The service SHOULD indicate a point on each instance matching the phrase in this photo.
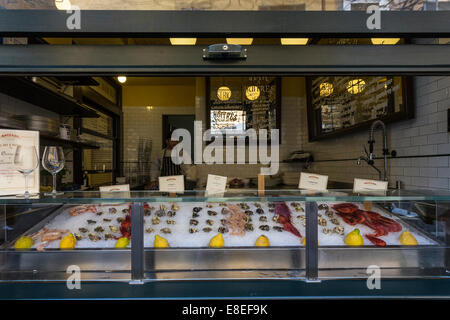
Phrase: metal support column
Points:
(312, 247)
(137, 243)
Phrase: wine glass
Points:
(26, 160)
(53, 162)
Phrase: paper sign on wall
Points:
(215, 184)
(171, 184)
(364, 185)
(312, 181)
(11, 181)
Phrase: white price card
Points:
(365, 185)
(12, 181)
(215, 184)
(171, 184)
(120, 190)
(312, 181)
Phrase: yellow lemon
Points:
(160, 242)
(354, 238)
(262, 241)
(217, 241)
(23, 243)
(122, 242)
(67, 242)
(407, 239)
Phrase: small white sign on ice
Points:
(312, 181)
(215, 184)
(171, 184)
(120, 190)
(371, 186)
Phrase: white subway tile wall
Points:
(426, 134)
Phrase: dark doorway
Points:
(175, 121)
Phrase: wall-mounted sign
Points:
(227, 121)
(252, 93)
(224, 93)
(257, 97)
(12, 181)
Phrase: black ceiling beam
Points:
(183, 60)
(128, 23)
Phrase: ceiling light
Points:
(183, 41)
(241, 41)
(122, 79)
(385, 40)
(294, 41)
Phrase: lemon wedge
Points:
(160, 242)
(217, 241)
(122, 242)
(407, 239)
(23, 242)
(354, 238)
(262, 241)
(67, 242)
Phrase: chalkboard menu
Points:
(338, 105)
(236, 104)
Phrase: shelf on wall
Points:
(71, 143)
(28, 91)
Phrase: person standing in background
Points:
(163, 166)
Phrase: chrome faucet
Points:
(369, 158)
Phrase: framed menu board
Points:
(235, 104)
(344, 104)
(11, 181)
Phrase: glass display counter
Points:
(145, 236)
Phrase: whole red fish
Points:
(284, 217)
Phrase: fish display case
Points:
(141, 236)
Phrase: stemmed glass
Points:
(53, 162)
(26, 160)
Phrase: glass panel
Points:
(231, 238)
(397, 238)
(51, 241)
(404, 233)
